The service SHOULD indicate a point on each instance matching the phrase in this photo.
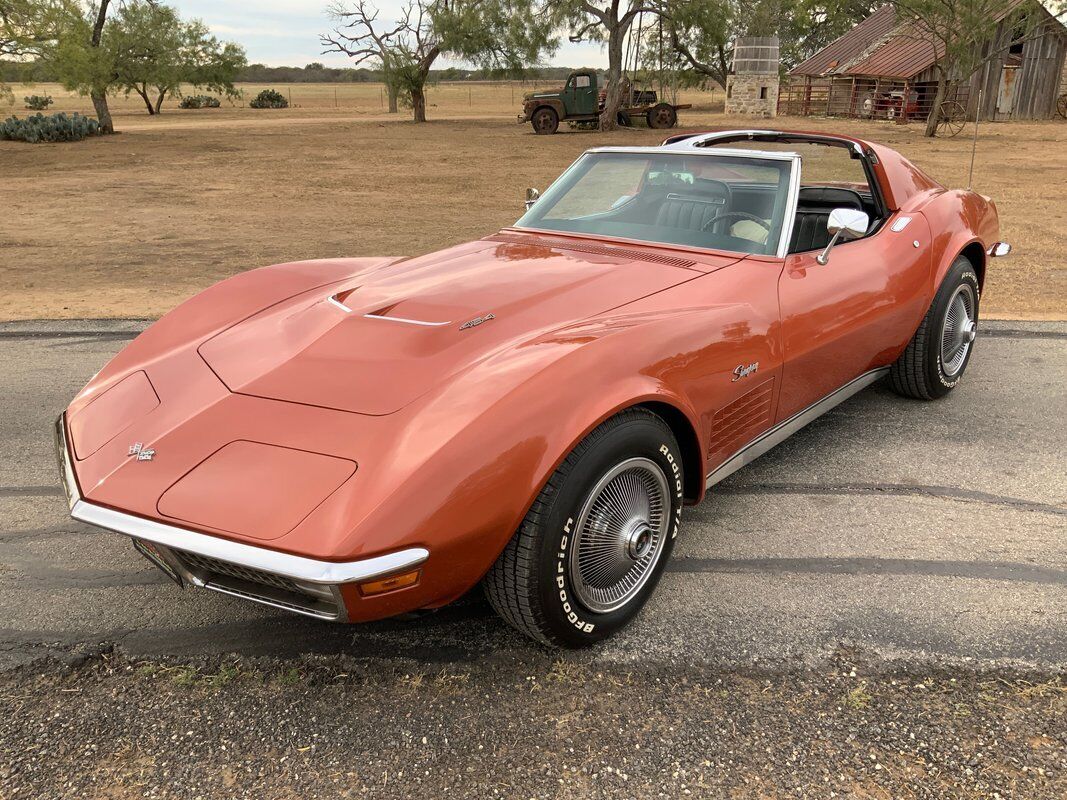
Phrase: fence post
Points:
(290, 90)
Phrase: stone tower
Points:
(752, 85)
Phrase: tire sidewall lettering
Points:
(950, 383)
(575, 615)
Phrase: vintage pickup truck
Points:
(580, 100)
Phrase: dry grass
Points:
(132, 224)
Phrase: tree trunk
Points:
(935, 109)
(609, 117)
(159, 100)
(390, 89)
(142, 90)
(418, 104)
(99, 96)
(103, 113)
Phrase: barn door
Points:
(1006, 93)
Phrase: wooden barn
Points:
(879, 70)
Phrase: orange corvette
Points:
(356, 438)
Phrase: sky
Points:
(286, 32)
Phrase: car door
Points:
(581, 95)
(852, 314)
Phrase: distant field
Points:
(132, 224)
(452, 99)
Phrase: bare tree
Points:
(501, 35)
(359, 37)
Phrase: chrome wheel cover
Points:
(958, 330)
(619, 535)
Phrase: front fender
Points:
(465, 464)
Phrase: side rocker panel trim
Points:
(786, 428)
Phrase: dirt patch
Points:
(132, 224)
(544, 728)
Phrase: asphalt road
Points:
(925, 532)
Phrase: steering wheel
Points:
(740, 215)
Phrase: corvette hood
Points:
(378, 342)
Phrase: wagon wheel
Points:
(1061, 105)
(951, 117)
(662, 116)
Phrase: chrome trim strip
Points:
(66, 472)
(792, 201)
(408, 321)
(263, 600)
(783, 430)
(333, 299)
(295, 567)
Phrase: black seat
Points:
(813, 210)
(687, 212)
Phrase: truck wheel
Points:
(935, 359)
(545, 121)
(662, 116)
(596, 540)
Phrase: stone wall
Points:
(752, 94)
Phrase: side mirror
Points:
(844, 223)
(531, 197)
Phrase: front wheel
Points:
(545, 121)
(937, 356)
(596, 540)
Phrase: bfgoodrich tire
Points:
(596, 540)
(934, 361)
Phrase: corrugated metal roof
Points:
(842, 51)
(898, 57)
(878, 47)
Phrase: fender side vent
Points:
(597, 249)
(737, 422)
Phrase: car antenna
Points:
(974, 142)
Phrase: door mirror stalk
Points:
(844, 224)
(531, 197)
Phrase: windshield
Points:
(710, 201)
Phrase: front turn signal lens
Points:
(390, 584)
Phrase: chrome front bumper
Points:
(281, 580)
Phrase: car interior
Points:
(723, 203)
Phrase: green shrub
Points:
(54, 128)
(199, 101)
(269, 98)
(36, 102)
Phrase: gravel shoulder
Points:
(111, 727)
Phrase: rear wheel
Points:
(593, 545)
(937, 356)
(662, 116)
(545, 121)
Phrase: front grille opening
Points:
(321, 602)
